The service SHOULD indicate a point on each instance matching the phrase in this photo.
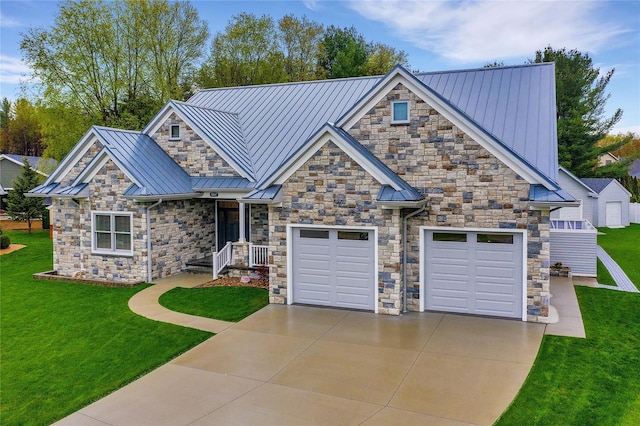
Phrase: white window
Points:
(400, 112)
(111, 233)
(175, 132)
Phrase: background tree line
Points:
(116, 63)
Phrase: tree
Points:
(24, 208)
(114, 59)
(246, 53)
(580, 100)
(62, 127)
(343, 53)
(299, 41)
(5, 113)
(381, 58)
(22, 134)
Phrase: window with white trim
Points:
(400, 112)
(174, 131)
(111, 233)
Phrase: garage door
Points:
(613, 210)
(334, 267)
(474, 272)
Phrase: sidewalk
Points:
(145, 303)
(618, 275)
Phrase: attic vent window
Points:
(175, 132)
(400, 112)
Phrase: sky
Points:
(437, 35)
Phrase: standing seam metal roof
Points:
(516, 105)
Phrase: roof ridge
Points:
(114, 129)
(202, 107)
(484, 69)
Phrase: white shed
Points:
(612, 206)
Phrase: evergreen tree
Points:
(580, 102)
(24, 208)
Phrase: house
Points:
(11, 167)
(611, 208)
(607, 158)
(634, 169)
(427, 191)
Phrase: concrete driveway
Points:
(298, 365)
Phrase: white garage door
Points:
(474, 272)
(613, 211)
(334, 267)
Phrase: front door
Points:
(228, 221)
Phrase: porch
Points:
(238, 256)
(573, 243)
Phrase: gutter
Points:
(149, 257)
(404, 255)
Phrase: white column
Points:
(242, 238)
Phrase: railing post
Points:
(215, 265)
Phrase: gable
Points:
(211, 142)
(519, 153)
(574, 186)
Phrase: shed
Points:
(612, 206)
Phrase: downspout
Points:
(404, 255)
(149, 257)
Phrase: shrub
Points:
(5, 242)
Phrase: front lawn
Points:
(222, 303)
(623, 244)
(592, 381)
(66, 345)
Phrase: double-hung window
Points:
(111, 233)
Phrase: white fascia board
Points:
(162, 116)
(98, 163)
(448, 112)
(70, 160)
(328, 135)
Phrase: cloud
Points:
(472, 31)
(311, 4)
(13, 70)
(8, 22)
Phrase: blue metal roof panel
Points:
(145, 161)
(387, 193)
(216, 183)
(72, 190)
(269, 193)
(44, 189)
(541, 194)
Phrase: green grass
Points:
(622, 245)
(64, 345)
(592, 381)
(222, 303)
(604, 277)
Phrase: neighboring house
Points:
(11, 167)
(607, 158)
(634, 169)
(426, 192)
(611, 208)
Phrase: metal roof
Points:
(48, 163)
(597, 184)
(266, 194)
(516, 105)
(278, 119)
(220, 183)
(388, 194)
(154, 172)
(541, 194)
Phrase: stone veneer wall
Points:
(466, 187)
(191, 152)
(181, 231)
(259, 224)
(72, 232)
(332, 189)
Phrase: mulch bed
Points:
(235, 282)
(11, 248)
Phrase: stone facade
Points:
(181, 231)
(73, 256)
(191, 152)
(466, 186)
(259, 224)
(332, 189)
